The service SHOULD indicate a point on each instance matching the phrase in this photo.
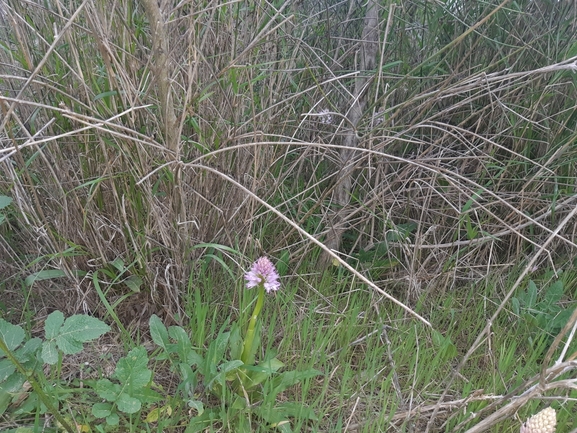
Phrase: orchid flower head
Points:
(263, 272)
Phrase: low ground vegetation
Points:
(409, 170)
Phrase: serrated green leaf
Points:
(128, 404)
(53, 324)
(158, 331)
(101, 410)
(132, 370)
(30, 348)
(79, 329)
(69, 346)
(49, 352)
(12, 335)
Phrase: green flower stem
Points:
(248, 341)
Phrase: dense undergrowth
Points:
(409, 168)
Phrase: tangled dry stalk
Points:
(141, 133)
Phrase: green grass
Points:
(381, 369)
(130, 188)
(377, 365)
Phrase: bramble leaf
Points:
(12, 335)
(79, 329)
(6, 369)
(53, 324)
(132, 370)
(49, 352)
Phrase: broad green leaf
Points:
(561, 319)
(134, 282)
(101, 410)
(230, 365)
(263, 371)
(293, 409)
(69, 346)
(220, 344)
(196, 405)
(183, 344)
(118, 264)
(30, 348)
(49, 352)
(531, 299)
(146, 395)
(27, 354)
(12, 335)
(236, 342)
(153, 415)
(113, 419)
(188, 380)
(128, 404)
(8, 388)
(6, 369)
(229, 369)
(5, 201)
(201, 422)
(53, 324)
(132, 370)
(79, 329)
(158, 331)
(108, 390)
(105, 95)
(47, 274)
(193, 358)
(515, 306)
(554, 293)
(290, 378)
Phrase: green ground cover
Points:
(408, 168)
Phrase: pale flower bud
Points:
(543, 422)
